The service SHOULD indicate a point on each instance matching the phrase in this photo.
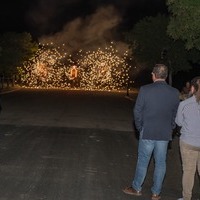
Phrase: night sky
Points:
(49, 17)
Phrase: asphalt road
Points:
(61, 108)
(73, 145)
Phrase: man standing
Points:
(154, 114)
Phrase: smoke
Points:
(81, 24)
(76, 24)
(89, 33)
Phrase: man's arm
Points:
(138, 110)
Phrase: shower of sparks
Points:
(45, 70)
(103, 69)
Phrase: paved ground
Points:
(60, 108)
(60, 145)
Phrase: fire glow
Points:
(103, 69)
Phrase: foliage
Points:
(150, 44)
(15, 49)
(147, 40)
(184, 22)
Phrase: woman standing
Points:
(188, 118)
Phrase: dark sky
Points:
(77, 23)
(42, 17)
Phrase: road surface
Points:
(73, 145)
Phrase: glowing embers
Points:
(45, 70)
(96, 70)
(103, 70)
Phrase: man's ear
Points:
(153, 76)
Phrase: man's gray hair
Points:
(160, 71)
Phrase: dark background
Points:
(48, 18)
(23, 15)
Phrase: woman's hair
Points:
(195, 82)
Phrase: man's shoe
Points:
(155, 197)
(132, 191)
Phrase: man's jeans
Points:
(145, 150)
(190, 162)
